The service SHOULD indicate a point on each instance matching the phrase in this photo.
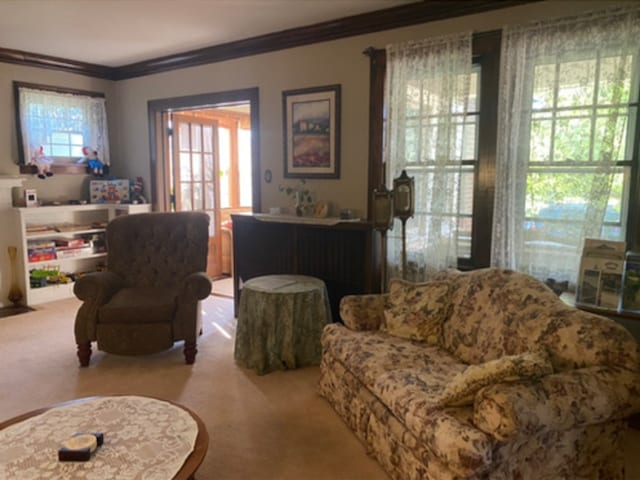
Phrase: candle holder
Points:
(383, 221)
(403, 207)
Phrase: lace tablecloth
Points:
(144, 439)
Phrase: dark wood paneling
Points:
(377, 68)
(345, 256)
(411, 14)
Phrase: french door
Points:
(196, 184)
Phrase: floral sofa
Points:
(482, 375)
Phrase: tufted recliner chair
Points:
(149, 296)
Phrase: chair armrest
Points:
(557, 402)
(363, 312)
(94, 289)
(97, 286)
(197, 286)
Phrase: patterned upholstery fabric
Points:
(553, 385)
(416, 310)
(461, 389)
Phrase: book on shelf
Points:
(72, 252)
(70, 242)
(41, 254)
(72, 228)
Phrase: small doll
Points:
(42, 163)
(94, 165)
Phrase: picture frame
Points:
(311, 126)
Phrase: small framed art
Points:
(312, 132)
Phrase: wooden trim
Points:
(377, 68)
(56, 63)
(202, 101)
(402, 16)
(486, 50)
(56, 89)
(73, 169)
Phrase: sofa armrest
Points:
(557, 402)
(363, 312)
(197, 286)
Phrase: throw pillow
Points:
(416, 310)
(511, 368)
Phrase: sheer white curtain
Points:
(57, 120)
(426, 99)
(565, 129)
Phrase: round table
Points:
(280, 320)
(134, 429)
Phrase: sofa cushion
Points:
(370, 355)
(496, 312)
(461, 389)
(416, 310)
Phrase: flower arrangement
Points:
(301, 196)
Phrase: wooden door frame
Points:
(156, 108)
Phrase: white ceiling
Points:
(119, 32)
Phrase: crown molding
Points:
(55, 63)
(405, 15)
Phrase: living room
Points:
(336, 61)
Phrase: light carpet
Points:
(271, 427)
(260, 427)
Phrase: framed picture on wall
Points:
(312, 132)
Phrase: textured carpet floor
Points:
(271, 427)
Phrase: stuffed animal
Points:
(42, 163)
(94, 165)
(136, 191)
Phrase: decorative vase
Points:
(15, 294)
(298, 205)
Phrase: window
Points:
(470, 157)
(582, 119)
(568, 140)
(461, 163)
(569, 171)
(61, 122)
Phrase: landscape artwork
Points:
(311, 126)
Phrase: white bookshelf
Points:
(63, 222)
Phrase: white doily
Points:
(144, 439)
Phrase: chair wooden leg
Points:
(190, 351)
(84, 353)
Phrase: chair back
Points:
(158, 249)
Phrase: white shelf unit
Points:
(73, 221)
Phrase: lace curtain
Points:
(426, 97)
(564, 116)
(47, 116)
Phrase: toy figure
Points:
(136, 191)
(94, 165)
(42, 163)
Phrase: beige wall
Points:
(339, 61)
